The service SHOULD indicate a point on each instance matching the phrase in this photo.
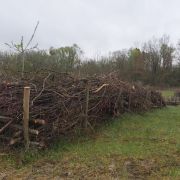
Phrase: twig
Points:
(35, 29)
(4, 127)
(104, 85)
(42, 89)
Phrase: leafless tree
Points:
(22, 48)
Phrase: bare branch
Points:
(35, 29)
(42, 89)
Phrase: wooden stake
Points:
(87, 105)
(26, 116)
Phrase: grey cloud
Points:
(95, 25)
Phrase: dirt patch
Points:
(140, 169)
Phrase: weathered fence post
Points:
(26, 116)
(87, 105)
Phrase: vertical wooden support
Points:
(26, 116)
(87, 105)
(129, 104)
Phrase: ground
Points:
(144, 146)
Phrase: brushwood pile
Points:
(61, 104)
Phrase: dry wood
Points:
(61, 103)
(17, 134)
(104, 85)
(26, 100)
(32, 131)
(87, 105)
(15, 140)
(39, 121)
(39, 144)
(5, 126)
(4, 117)
(20, 127)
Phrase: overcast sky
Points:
(97, 26)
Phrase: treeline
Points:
(157, 62)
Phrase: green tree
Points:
(136, 63)
(66, 58)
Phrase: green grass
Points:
(167, 93)
(146, 145)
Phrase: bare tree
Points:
(166, 52)
(22, 48)
(152, 58)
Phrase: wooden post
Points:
(87, 105)
(129, 105)
(26, 116)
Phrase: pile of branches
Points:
(61, 104)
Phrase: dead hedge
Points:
(61, 104)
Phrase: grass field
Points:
(167, 93)
(133, 146)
